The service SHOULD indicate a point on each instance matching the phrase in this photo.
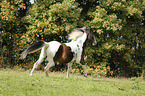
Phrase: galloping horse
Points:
(62, 52)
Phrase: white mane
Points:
(76, 33)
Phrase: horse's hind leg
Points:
(85, 71)
(50, 64)
(39, 61)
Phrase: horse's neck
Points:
(82, 39)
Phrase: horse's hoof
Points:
(47, 74)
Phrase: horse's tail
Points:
(33, 48)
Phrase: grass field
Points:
(17, 82)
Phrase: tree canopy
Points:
(118, 26)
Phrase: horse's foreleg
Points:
(84, 68)
(81, 62)
(39, 61)
(85, 71)
(68, 69)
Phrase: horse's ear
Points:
(88, 30)
(83, 28)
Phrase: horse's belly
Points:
(64, 54)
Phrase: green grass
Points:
(17, 82)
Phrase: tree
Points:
(51, 18)
(117, 24)
(11, 29)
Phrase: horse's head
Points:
(90, 37)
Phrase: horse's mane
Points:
(76, 33)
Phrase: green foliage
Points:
(11, 30)
(118, 26)
(55, 19)
(101, 20)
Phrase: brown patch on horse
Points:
(88, 30)
(64, 54)
(90, 36)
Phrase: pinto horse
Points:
(62, 52)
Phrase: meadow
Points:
(17, 82)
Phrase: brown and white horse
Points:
(62, 52)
